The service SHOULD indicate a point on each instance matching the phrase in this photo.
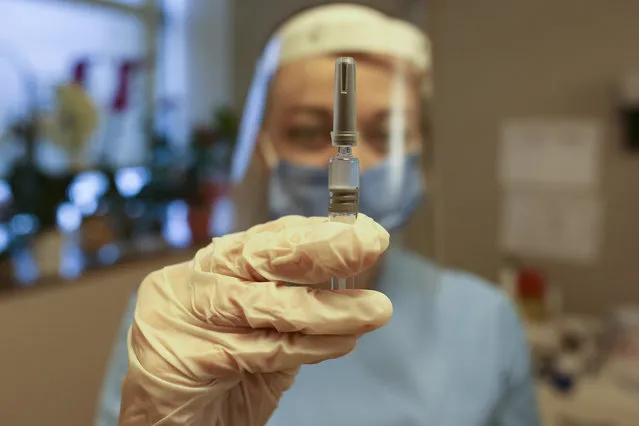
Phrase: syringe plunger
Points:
(345, 108)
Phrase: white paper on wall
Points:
(555, 225)
(550, 152)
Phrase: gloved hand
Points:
(216, 341)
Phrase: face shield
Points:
(280, 166)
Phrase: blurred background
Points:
(117, 124)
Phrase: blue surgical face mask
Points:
(302, 190)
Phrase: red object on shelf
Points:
(200, 215)
(531, 284)
(121, 99)
(80, 70)
(199, 219)
(214, 190)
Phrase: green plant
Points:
(213, 145)
(225, 125)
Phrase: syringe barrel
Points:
(343, 183)
(343, 168)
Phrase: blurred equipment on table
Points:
(588, 369)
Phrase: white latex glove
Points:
(216, 341)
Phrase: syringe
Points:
(343, 168)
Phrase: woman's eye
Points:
(310, 137)
(380, 139)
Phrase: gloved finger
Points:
(308, 252)
(283, 223)
(272, 226)
(231, 245)
(265, 351)
(239, 304)
(204, 354)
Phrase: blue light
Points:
(131, 180)
(68, 217)
(5, 192)
(24, 224)
(176, 228)
(72, 261)
(108, 254)
(87, 187)
(88, 208)
(5, 238)
(223, 220)
(26, 267)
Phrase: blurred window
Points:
(43, 40)
(173, 62)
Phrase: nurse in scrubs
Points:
(453, 352)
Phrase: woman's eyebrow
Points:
(385, 114)
(326, 114)
(320, 112)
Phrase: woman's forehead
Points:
(310, 82)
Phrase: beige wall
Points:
(496, 59)
(55, 344)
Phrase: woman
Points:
(220, 340)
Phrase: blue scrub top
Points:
(453, 354)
